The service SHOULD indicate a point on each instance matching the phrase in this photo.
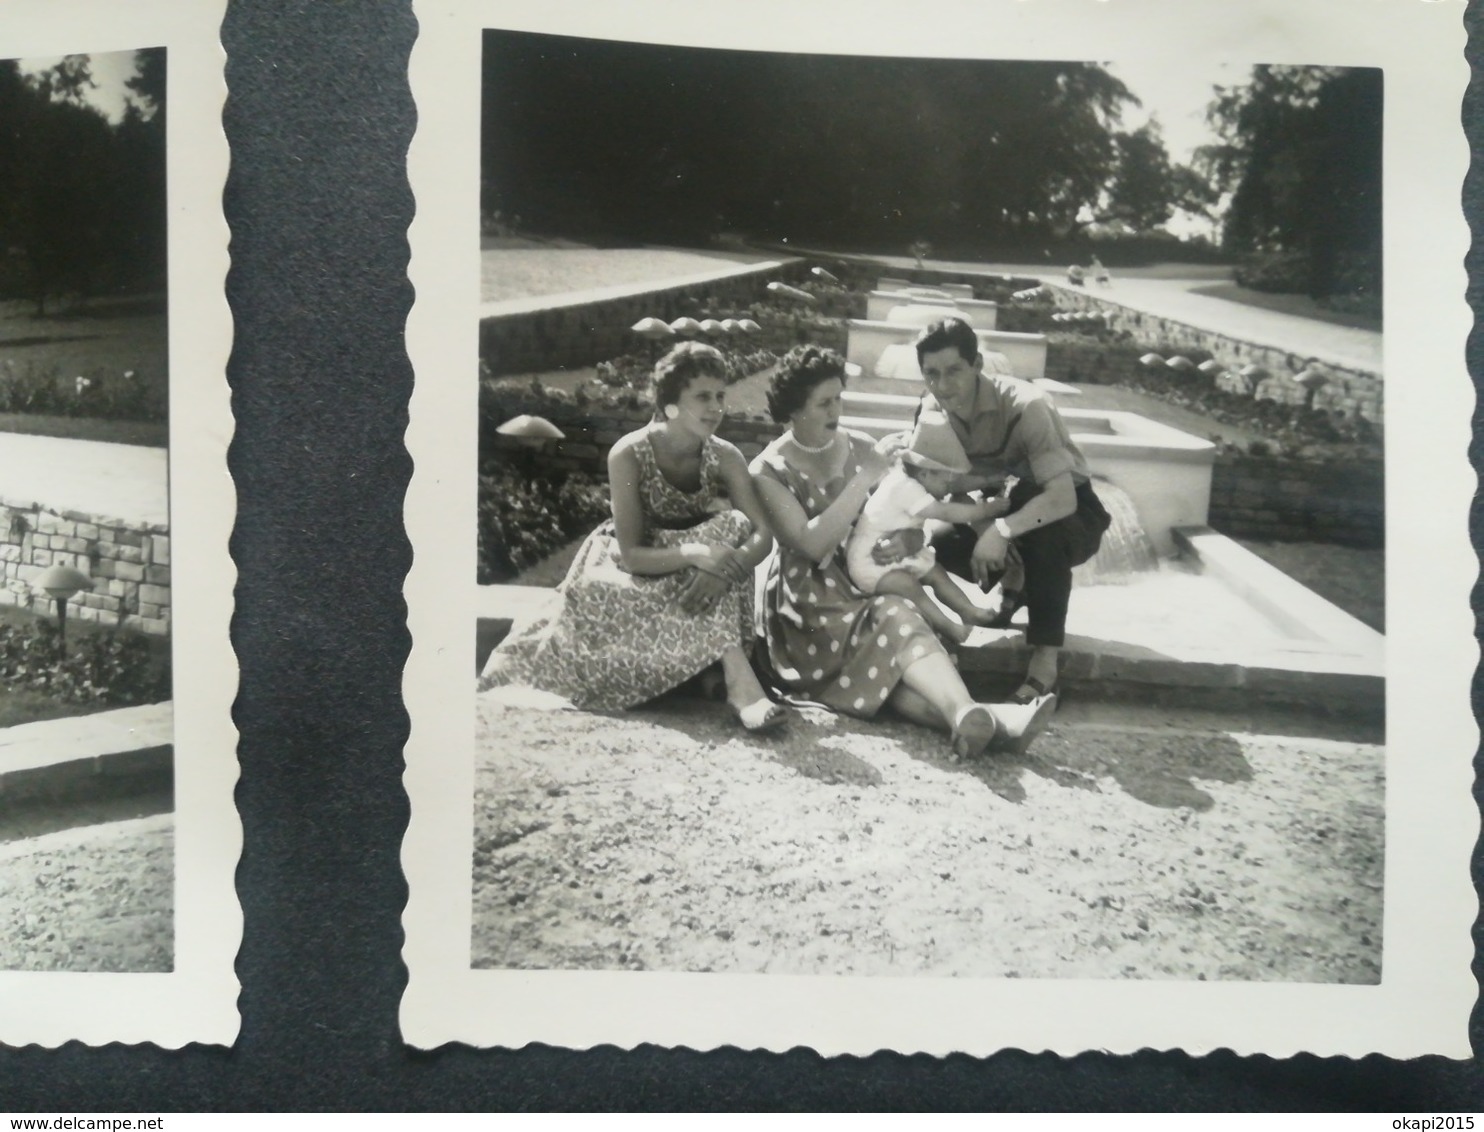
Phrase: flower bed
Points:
(100, 394)
(524, 517)
(116, 668)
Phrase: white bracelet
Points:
(1002, 529)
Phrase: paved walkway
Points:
(78, 743)
(1176, 298)
(116, 481)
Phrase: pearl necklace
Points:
(802, 447)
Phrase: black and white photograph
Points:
(88, 870)
(92, 794)
(929, 519)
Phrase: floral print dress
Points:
(619, 639)
(827, 642)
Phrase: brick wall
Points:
(1349, 390)
(566, 337)
(1286, 500)
(128, 562)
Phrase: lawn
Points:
(520, 270)
(23, 705)
(91, 338)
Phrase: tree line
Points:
(602, 140)
(82, 199)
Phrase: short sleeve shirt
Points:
(1015, 430)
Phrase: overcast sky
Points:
(110, 71)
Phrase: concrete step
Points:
(56, 755)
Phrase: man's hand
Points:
(988, 559)
(897, 546)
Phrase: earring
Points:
(671, 412)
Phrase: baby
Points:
(906, 498)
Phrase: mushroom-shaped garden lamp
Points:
(60, 584)
(821, 273)
(685, 327)
(783, 290)
(1151, 361)
(652, 328)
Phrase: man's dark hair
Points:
(947, 332)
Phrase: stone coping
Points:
(55, 754)
(1334, 663)
(526, 305)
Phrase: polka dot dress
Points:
(826, 641)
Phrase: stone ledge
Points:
(58, 756)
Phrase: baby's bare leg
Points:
(951, 594)
(902, 584)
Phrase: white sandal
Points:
(761, 716)
(974, 728)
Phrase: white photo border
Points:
(1427, 991)
(197, 1000)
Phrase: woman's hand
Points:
(873, 467)
(724, 562)
(702, 593)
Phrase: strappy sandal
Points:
(761, 716)
(1037, 690)
(974, 728)
(1010, 603)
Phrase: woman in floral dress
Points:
(664, 590)
(828, 642)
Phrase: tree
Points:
(1300, 158)
(655, 142)
(81, 199)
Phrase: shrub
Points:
(522, 519)
(110, 668)
(99, 394)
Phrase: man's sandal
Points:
(1010, 603)
(1031, 689)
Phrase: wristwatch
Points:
(1002, 529)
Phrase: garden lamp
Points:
(530, 431)
(1181, 364)
(748, 326)
(712, 327)
(1210, 367)
(731, 326)
(652, 328)
(685, 327)
(821, 273)
(1312, 380)
(787, 292)
(1151, 361)
(61, 583)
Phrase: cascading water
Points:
(1126, 551)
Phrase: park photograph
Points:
(929, 521)
(118, 830)
(86, 855)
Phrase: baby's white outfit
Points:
(897, 504)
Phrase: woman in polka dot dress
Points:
(827, 642)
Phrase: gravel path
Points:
(99, 898)
(665, 840)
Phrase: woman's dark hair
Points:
(947, 332)
(799, 371)
(682, 365)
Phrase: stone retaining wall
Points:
(128, 562)
(1285, 500)
(1349, 390)
(583, 334)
